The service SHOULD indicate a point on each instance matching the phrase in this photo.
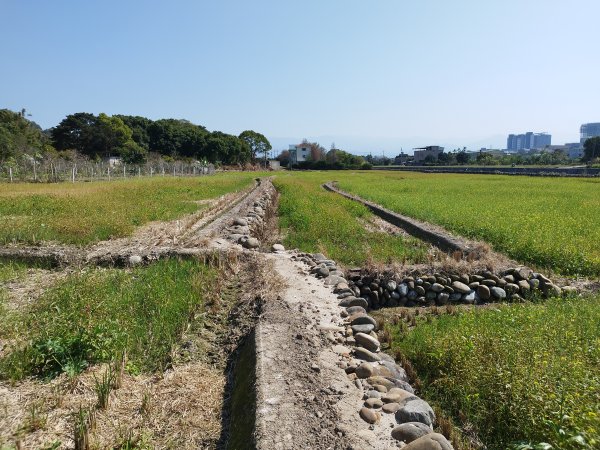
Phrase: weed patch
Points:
(95, 316)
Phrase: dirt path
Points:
(306, 398)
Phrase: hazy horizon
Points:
(376, 77)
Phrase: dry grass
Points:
(181, 409)
(22, 291)
(486, 260)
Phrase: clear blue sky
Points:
(371, 75)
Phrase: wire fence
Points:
(56, 171)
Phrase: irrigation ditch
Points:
(293, 353)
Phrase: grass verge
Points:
(94, 316)
(315, 220)
(82, 213)
(524, 376)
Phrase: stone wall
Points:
(439, 289)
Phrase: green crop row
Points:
(523, 375)
(82, 213)
(553, 223)
(315, 220)
(91, 317)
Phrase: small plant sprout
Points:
(85, 420)
(103, 387)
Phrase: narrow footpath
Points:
(305, 397)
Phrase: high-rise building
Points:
(528, 141)
(511, 142)
(541, 140)
(589, 130)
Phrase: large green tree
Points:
(462, 157)
(591, 149)
(227, 149)
(132, 153)
(74, 132)
(92, 136)
(177, 138)
(257, 143)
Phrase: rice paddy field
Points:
(83, 213)
(552, 223)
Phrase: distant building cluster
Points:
(528, 141)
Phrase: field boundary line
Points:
(431, 233)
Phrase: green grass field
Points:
(552, 223)
(315, 220)
(526, 374)
(94, 315)
(82, 213)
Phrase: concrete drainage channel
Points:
(320, 379)
(242, 397)
(421, 230)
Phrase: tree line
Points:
(134, 139)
